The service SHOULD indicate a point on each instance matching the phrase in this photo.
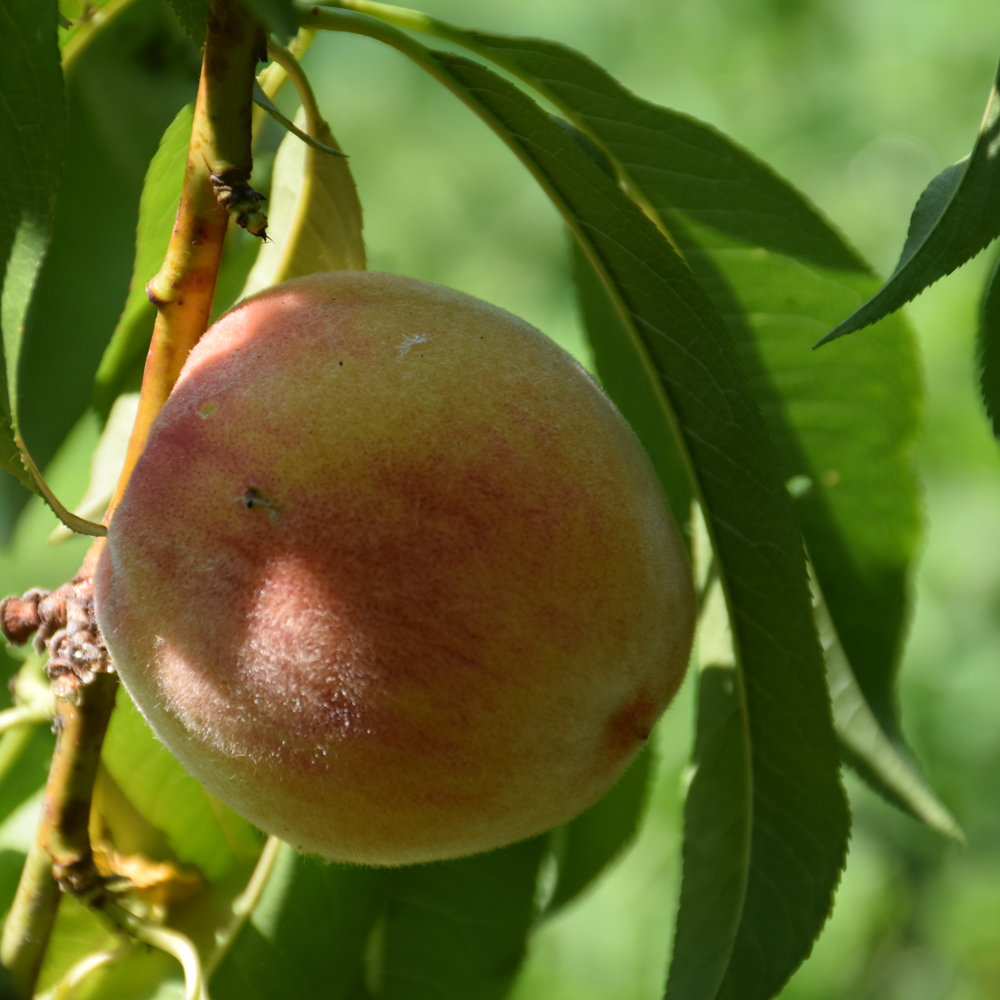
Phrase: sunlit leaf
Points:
(198, 830)
(957, 216)
(105, 464)
(122, 90)
(33, 140)
(865, 745)
(314, 216)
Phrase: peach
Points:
(393, 578)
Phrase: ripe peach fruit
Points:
(393, 578)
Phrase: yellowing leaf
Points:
(314, 213)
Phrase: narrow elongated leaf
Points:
(989, 347)
(718, 810)
(263, 101)
(799, 813)
(956, 217)
(845, 428)
(777, 271)
(121, 365)
(626, 381)
(308, 935)
(864, 744)
(314, 216)
(122, 89)
(587, 845)
(33, 140)
(457, 929)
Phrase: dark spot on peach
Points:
(632, 724)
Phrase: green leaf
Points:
(106, 464)
(263, 101)
(122, 88)
(193, 15)
(33, 140)
(121, 365)
(587, 845)
(989, 347)
(719, 830)
(865, 746)
(799, 813)
(457, 929)
(957, 216)
(308, 935)
(845, 426)
(626, 381)
(314, 216)
(278, 16)
(199, 830)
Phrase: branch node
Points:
(242, 202)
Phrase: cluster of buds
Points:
(63, 625)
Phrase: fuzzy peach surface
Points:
(393, 578)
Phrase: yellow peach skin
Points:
(393, 578)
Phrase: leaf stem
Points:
(244, 904)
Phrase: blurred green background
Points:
(859, 103)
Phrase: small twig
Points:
(172, 942)
(244, 904)
(26, 715)
(67, 986)
(216, 185)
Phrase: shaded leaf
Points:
(587, 845)
(278, 16)
(457, 929)
(989, 347)
(845, 426)
(121, 365)
(307, 936)
(690, 358)
(957, 216)
(314, 217)
(193, 15)
(627, 382)
(122, 90)
(776, 271)
(33, 140)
